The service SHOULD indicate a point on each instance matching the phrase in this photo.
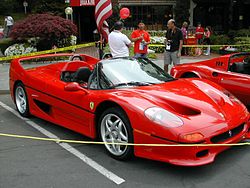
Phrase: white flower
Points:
(19, 49)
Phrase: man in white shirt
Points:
(118, 42)
(9, 22)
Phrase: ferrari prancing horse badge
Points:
(91, 105)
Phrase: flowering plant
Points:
(19, 49)
(48, 28)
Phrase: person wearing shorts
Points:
(174, 42)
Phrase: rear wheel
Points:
(21, 100)
(114, 127)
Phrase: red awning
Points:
(77, 3)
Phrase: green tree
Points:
(9, 6)
(55, 7)
(182, 11)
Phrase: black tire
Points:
(190, 75)
(115, 114)
(21, 100)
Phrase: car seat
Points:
(82, 75)
(238, 67)
(247, 68)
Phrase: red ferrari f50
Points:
(125, 100)
(232, 72)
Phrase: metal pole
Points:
(71, 15)
(100, 47)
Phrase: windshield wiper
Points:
(131, 84)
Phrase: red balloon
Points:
(124, 13)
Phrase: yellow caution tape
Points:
(93, 44)
(49, 51)
(196, 45)
(124, 144)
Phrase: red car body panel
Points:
(217, 70)
(201, 105)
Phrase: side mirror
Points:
(74, 86)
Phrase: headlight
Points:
(231, 97)
(163, 117)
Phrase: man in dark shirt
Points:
(174, 42)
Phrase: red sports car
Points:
(232, 72)
(125, 100)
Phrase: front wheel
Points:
(114, 127)
(21, 100)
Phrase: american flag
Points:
(103, 10)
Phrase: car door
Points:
(236, 83)
(70, 109)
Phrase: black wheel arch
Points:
(104, 106)
(189, 75)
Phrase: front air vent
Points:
(227, 135)
(43, 106)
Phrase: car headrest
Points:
(239, 67)
(82, 74)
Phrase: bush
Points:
(19, 49)
(151, 33)
(242, 41)
(221, 39)
(5, 43)
(157, 33)
(48, 28)
(239, 33)
(56, 7)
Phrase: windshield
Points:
(130, 72)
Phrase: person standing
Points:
(185, 35)
(207, 41)
(118, 42)
(8, 23)
(174, 42)
(199, 33)
(141, 38)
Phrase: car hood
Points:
(197, 102)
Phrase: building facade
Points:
(221, 15)
(155, 13)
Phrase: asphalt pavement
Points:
(29, 163)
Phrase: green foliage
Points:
(151, 33)
(127, 33)
(221, 39)
(157, 49)
(239, 33)
(10, 6)
(5, 43)
(55, 7)
(241, 41)
(157, 33)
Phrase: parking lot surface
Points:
(29, 163)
